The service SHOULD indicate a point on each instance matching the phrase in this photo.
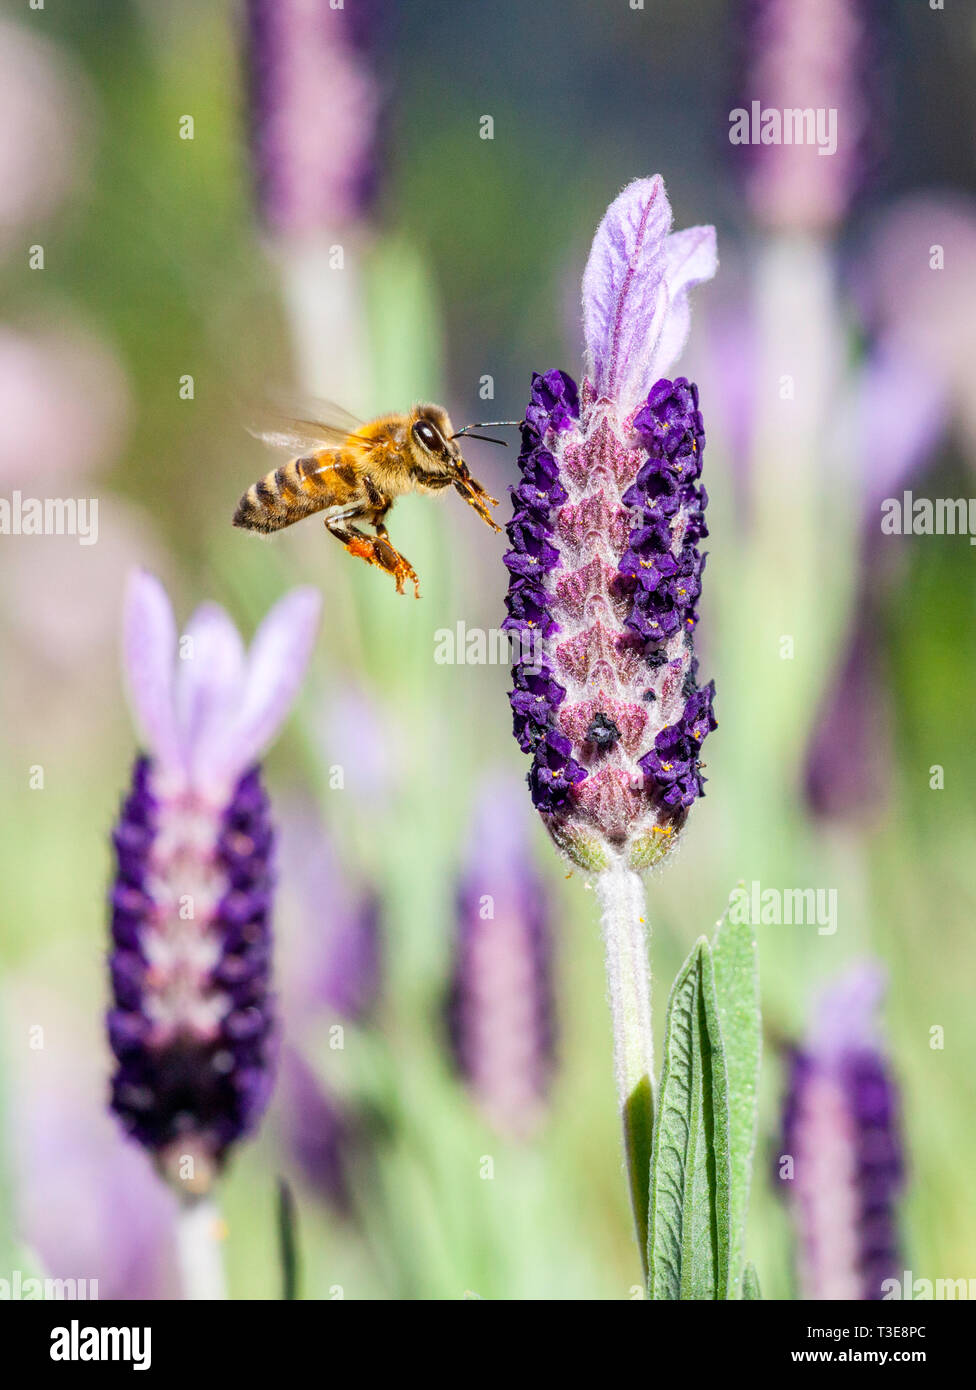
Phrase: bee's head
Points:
(429, 440)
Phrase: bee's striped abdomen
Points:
(285, 495)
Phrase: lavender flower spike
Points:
(605, 561)
(190, 1021)
(840, 1129)
(605, 567)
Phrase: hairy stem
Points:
(621, 896)
(198, 1235)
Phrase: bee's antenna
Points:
(486, 437)
(487, 425)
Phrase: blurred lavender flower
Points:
(58, 618)
(918, 266)
(840, 1126)
(730, 374)
(817, 57)
(847, 767)
(333, 965)
(315, 106)
(353, 972)
(334, 957)
(500, 1005)
(64, 406)
(322, 1133)
(363, 734)
(917, 378)
(191, 1019)
(315, 111)
(605, 562)
(102, 1215)
(45, 130)
(64, 403)
(869, 430)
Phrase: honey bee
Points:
(353, 471)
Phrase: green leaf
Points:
(689, 1233)
(736, 960)
(750, 1282)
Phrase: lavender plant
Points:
(605, 565)
(841, 1166)
(191, 1017)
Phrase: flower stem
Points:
(621, 896)
(201, 1262)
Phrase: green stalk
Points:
(622, 906)
(199, 1254)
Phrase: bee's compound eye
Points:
(428, 436)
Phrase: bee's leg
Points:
(467, 487)
(398, 565)
(474, 494)
(375, 551)
(401, 568)
(464, 473)
(377, 519)
(476, 497)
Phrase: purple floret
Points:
(554, 772)
(536, 698)
(553, 404)
(535, 701)
(673, 764)
(666, 577)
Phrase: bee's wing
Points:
(298, 437)
(305, 426)
(317, 412)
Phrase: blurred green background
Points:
(468, 262)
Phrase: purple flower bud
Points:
(191, 1021)
(841, 1130)
(605, 564)
(315, 110)
(500, 1006)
